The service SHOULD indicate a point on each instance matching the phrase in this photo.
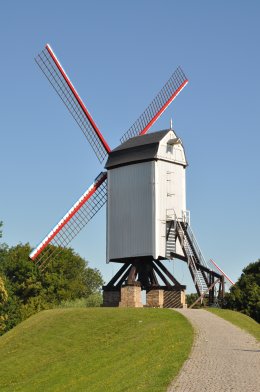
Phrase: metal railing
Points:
(196, 247)
(198, 278)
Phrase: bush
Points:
(92, 301)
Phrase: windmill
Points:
(138, 237)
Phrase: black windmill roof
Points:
(136, 149)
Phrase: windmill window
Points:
(169, 148)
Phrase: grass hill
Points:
(239, 319)
(95, 350)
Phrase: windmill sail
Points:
(58, 78)
(74, 221)
(162, 100)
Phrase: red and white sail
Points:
(74, 220)
(163, 99)
(53, 70)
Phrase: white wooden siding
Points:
(130, 211)
(139, 197)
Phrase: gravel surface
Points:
(223, 358)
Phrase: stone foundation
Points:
(174, 299)
(155, 298)
(111, 298)
(131, 296)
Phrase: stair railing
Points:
(196, 247)
(198, 278)
(189, 252)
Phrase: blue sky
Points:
(118, 55)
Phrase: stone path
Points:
(224, 358)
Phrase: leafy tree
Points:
(3, 292)
(10, 308)
(3, 299)
(66, 277)
(244, 296)
(191, 298)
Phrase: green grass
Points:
(94, 350)
(240, 320)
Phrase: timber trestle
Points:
(144, 272)
(162, 288)
(138, 274)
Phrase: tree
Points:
(66, 277)
(244, 296)
(3, 292)
(3, 299)
(191, 298)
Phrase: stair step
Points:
(189, 248)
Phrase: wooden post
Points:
(202, 295)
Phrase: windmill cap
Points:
(138, 149)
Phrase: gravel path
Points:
(223, 358)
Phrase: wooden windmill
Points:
(144, 186)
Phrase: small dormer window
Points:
(176, 140)
(172, 142)
(169, 148)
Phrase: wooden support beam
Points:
(165, 281)
(223, 286)
(167, 273)
(117, 275)
(203, 295)
(220, 290)
(154, 279)
(132, 275)
(203, 268)
(180, 257)
(212, 290)
(121, 281)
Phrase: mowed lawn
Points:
(239, 319)
(95, 350)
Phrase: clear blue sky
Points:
(119, 54)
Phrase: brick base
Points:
(111, 298)
(154, 298)
(131, 297)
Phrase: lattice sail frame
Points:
(73, 222)
(163, 99)
(95, 196)
(52, 69)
